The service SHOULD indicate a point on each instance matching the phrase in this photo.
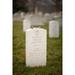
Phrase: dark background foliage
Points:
(42, 5)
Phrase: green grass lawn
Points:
(54, 54)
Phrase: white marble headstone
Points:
(47, 15)
(53, 29)
(22, 14)
(36, 45)
(36, 20)
(26, 24)
(40, 14)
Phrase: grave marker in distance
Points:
(53, 29)
(26, 24)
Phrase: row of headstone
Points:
(36, 42)
(35, 20)
(53, 27)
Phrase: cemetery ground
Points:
(54, 54)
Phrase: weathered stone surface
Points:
(36, 45)
(53, 29)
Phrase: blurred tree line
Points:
(23, 5)
(20, 5)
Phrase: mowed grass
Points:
(54, 54)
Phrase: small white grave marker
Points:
(36, 44)
(40, 13)
(47, 15)
(22, 14)
(26, 24)
(36, 20)
(53, 29)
